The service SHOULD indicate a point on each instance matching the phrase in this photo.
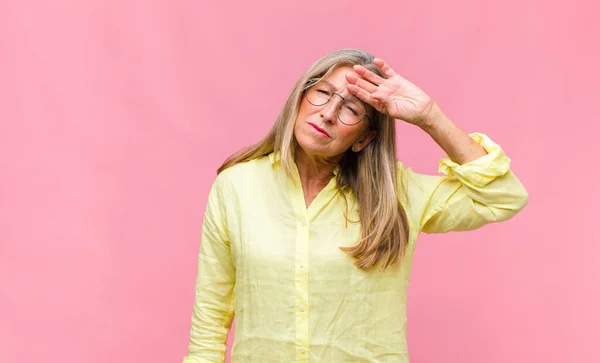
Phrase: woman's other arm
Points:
(213, 305)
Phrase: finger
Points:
(368, 75)
(364, 96)
(355, 80)
(385, 68)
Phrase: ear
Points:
(366, 139)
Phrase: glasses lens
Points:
(318, 94)
(351, 112)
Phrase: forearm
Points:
(457, 144)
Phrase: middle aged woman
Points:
(309, 234)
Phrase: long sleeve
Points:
(471, 195)
(213, 306)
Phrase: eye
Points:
(323, 91)
(354, 109)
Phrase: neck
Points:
(314, 171)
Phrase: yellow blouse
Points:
(276, 265)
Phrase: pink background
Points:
(114, 116)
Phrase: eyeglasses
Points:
(350, 112)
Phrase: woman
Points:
(309, 234)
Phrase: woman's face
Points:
(338, 137)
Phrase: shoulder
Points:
(243, 172)
(416, 188)
(414, 180)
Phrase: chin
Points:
(316, 150)
(310, 148)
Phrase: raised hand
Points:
(395, 95)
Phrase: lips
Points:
(319, 129)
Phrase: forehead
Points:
(337, 78)
(337, 81)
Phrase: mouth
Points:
(320, 130)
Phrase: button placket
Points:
(302, 321)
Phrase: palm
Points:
(394, 96)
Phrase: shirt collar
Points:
(276, 156)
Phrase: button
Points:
(302, 350)
(301, 307)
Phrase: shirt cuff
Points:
(481, 171)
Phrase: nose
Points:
(330, 109)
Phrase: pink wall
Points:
(114, 116)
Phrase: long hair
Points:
(371, 174)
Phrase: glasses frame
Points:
(314, 81)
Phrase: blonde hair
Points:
(370, 174)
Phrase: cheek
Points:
(348, 134)
(304, 108)
(304, 112)
(299, 124)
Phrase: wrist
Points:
(433, 119)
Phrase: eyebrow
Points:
(330, 85)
